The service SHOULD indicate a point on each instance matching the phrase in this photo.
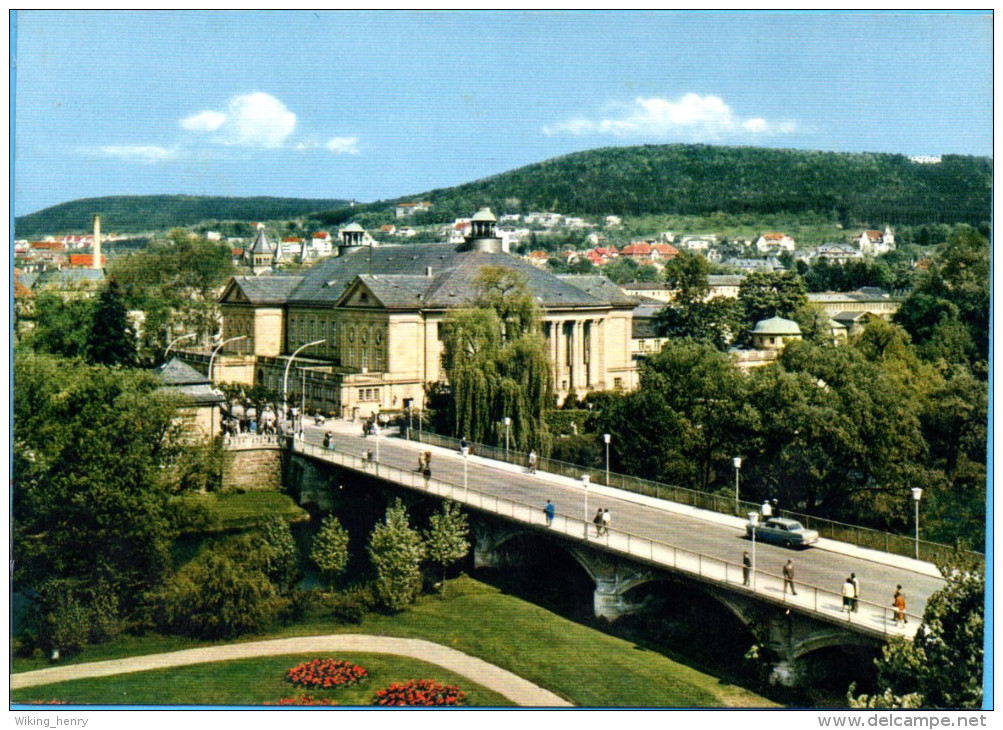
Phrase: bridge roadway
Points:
(663, 533)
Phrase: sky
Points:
(369, 105)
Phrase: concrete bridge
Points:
(649, 540)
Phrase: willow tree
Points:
(497, 364)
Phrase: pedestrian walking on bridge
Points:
(898, 601)
(532, 462)
(848, 595)
(597, 520)
(549, 512)
(856, 590)
(746, 568)
(605, 521)
(788, 574)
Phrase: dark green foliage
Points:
(702, 180)
(947, 313)
(944, 662)
(90, 449)
(771, 294)
(61, 325)
(217, 597)
(139, 213)
(67, 614)
(497, 364)
(112, 340)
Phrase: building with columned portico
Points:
(379, 310)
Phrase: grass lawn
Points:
(232, 510)
(585, 666)
(248, 682)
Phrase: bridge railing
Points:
(865, 537)
(873, 617)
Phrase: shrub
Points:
(279, 553)
(330, 549)
(212, 598)
(396, 551)
(60, 617)
(420, 693)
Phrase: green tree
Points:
(396, 552)
(943, 664)
(214, 597)
(111, 340)
(497, 363)
(687, 274)
(330, 549)
(61, 325)
(92, 451)
(771, 294)
(446, 538)
(279, 554)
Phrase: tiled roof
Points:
(267, 289)
(448, 271)
(599, 287)
(177, 372)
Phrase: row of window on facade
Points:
(367, 352)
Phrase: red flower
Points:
(420, 693)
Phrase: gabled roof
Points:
(599, 287)
(177, 372)
(449, 273)
(262, 289)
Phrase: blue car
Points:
(779, 530)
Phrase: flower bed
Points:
(325, 673)
(307, 701)
(420, 693)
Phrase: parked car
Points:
(782, 531)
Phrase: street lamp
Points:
(508, 422)
(285, 376)
(176, 340)
(212, 410)
(218, 348)
(753, 520)
(465, 453)
(585, 484)
(737, 461)
(606, 437)
(917, 493)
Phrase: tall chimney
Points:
(96, 259)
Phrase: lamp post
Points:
(585, 484)
(606, 437)
(212, 409)
(176, 340)
(218, 348)
(285, 375)
(465, 454)
(917, 493)
(753, 520)
(737, 461)
(508, 422)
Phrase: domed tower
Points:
(774, 333)
(352, 236)
(483, 236)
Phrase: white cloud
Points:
(149, 154)
(343, 145)
(250, 120)
(691, 116)
(207, 121)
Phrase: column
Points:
(578, 356)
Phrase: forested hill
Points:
(700, 179)
(139, 213)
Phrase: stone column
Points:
(578, 350)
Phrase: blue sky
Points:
(370, 105)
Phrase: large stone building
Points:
(376, 312)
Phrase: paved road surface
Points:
(717, 536)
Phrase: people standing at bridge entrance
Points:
(898, 601)
(597, 520)
(549, 512)
(849, 592)
(788, 573)
(856, 590)
(746, 568)
(532, 461)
